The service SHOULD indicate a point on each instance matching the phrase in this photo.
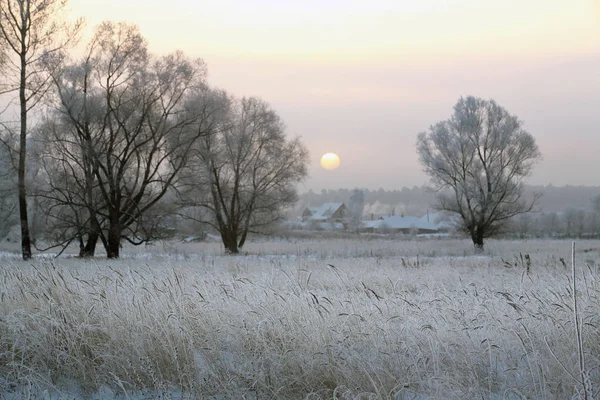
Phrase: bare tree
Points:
(8, 188)
(70, 194)
(593, 224)
(575, 222)
(28, 30)
(551, 224)
(596, 204)
(482, 153)
(596, 211)
(523, 225)
(126, 124)
(250, 169)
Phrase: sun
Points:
(330, 161)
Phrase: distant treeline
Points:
(418, 200)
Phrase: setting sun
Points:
(330, 161)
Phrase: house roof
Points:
(374, 224)
(324, 211)
(408, 222)
(439, 220)
(436, 219)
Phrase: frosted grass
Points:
(331, 319)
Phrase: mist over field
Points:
(417, 200)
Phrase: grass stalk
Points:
(578, 331)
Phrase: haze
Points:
(361, 79)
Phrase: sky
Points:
(363, 78)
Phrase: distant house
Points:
(328, 212)
(402, 224)
(409, 224)
(375, 225)
(442, 222)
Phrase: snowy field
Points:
(329, 319)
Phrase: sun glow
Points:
(330, 161)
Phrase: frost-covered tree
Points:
(29, 30)
(247, 167)
(596, 204)
(356, 205)
(482, 153)
(596, 210)
(121, 131)
(575, 222)
(8, 188)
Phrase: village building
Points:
(328, 212)
(334, 216)
(428, 224)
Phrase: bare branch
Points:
(483, 154)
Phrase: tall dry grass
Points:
(390, 320)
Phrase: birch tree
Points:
(483, 154)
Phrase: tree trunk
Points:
(25, 236)
(89, 250)
(243, 238)
(114, 240)
(477, 238)
(230, 242)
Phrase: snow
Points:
(422, 318)
(324, 211)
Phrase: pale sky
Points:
(363, 78)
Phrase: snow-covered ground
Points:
(415, 319)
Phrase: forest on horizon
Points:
(418, 200)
